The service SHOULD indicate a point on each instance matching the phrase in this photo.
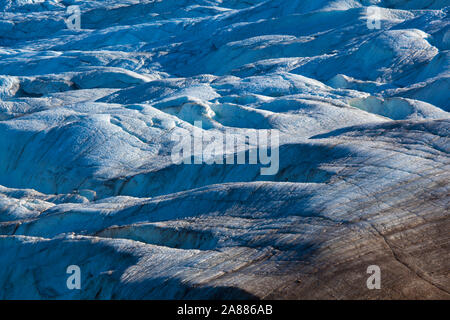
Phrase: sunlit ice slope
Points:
(358, 94)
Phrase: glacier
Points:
(86, 176)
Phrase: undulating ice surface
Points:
(86, 176)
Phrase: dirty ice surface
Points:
(86, 176)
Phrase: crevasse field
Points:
(360, 99)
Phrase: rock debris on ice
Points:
(85, 170)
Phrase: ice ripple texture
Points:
(85, 171)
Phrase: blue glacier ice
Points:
(86, 177)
